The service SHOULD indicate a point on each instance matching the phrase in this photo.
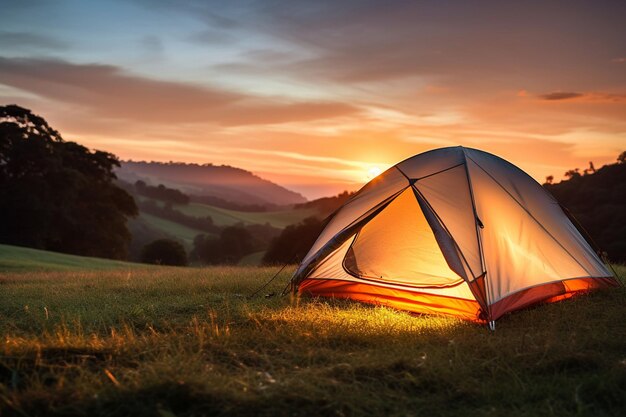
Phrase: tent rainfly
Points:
(453, 231)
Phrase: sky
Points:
(320, 96)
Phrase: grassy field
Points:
(225, 217)
(180, 342)
(181, 232)
(18, 259)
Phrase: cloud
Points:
(21, 40)
(257, 113)
(473, 48)
(590, 97)
(110, 92)
(560, 96)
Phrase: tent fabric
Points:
(453, 231)
(448, 194)
(417, 259)
(376, 191)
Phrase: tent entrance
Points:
(398, 246)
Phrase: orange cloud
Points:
(590, 97)
(109, 92)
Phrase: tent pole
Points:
(492, 325)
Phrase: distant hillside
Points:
(221, 181)
(598, 201)
(167, 213)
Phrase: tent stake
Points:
(492, 325)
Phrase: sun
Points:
(373, 172)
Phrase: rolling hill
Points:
(225, 217)
(170, 228)
(149, 226)
(221, 181)
(19, 259)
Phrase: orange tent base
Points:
(390, 297)
(423, 303)
(549, 293)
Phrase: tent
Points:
(453, 231)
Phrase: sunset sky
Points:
(320, 95)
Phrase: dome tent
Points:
(453, 231)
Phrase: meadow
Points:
(183, 234)
(226, 217)
(129, 340)
(163, 227)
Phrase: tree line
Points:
(58, 195)
(596, 199)
(162, 193)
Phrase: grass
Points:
(180, 342)
(184, 233)
(225, 217)
(18, 259)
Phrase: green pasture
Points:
(188, 342)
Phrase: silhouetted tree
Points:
(234, 243)
(572, 173)
(549, 179)
(164, 252)
(294, 242)
(161, 192)
(622, 158)
(592, 168)
(58, 195)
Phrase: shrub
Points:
(164, 252)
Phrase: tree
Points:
(590, 170)
(294, 242)
(161, 192)
(549, 179)
(572, 173)
(58, 195)
(164, 252)
(622, 158)
(234, 243)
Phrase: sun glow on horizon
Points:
(373, 172)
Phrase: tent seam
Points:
(481, 252)
(446, 229)
(438, 172)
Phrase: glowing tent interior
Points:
(453, 231)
